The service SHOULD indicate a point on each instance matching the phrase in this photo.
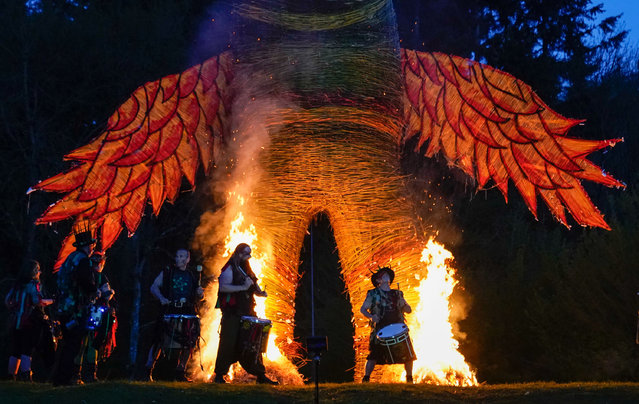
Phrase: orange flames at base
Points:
(438, 359)
(277, 365)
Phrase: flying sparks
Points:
(277, 364)
(438, 359)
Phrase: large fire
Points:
(276, 363)
(438, 359)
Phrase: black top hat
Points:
(83, 239)
(380, 272)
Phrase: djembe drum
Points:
(253, 336)
(180, 331)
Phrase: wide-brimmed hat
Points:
(378, 274)
(83, 239)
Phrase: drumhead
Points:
(392, 330)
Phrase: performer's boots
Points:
(262, 379)
(90, 373)
(219, 379)
(409, 379)
(180, 376)
(76, 377)
(366, 379)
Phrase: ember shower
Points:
(305, 114)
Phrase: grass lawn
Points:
(182, 393)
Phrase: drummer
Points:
(178, 290)
(92, 344)
(383, 306)
(236, 298)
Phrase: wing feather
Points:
(156, 188)
(495, 128)
(159, 134)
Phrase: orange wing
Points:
(494, 127)
(159, 134)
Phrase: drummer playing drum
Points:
(179, 292)
(383, 306)
(236, 299)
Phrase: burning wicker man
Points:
(389, 340)
(243, 336)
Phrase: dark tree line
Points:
(545, 302)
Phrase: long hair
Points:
(234, 259)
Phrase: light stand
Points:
(315, 345)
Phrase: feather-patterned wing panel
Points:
(495, 128)
(158, 135)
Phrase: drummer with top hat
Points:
(383, 306)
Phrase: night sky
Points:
(630, 17)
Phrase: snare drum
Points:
(254, 335)
(395, 344)
(180, 331)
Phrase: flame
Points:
(438, 359)
(430, 328)
(277, 364)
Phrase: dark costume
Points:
(384, 304)
(180, 287)
(103, 336)
(28, 323)
(102, 325)
(234, 305)
(76, 288)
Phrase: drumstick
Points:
(199, 275)
(254, 279)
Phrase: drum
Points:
(94, 316)
(395, 343)
(254, 335)
(180, 331)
